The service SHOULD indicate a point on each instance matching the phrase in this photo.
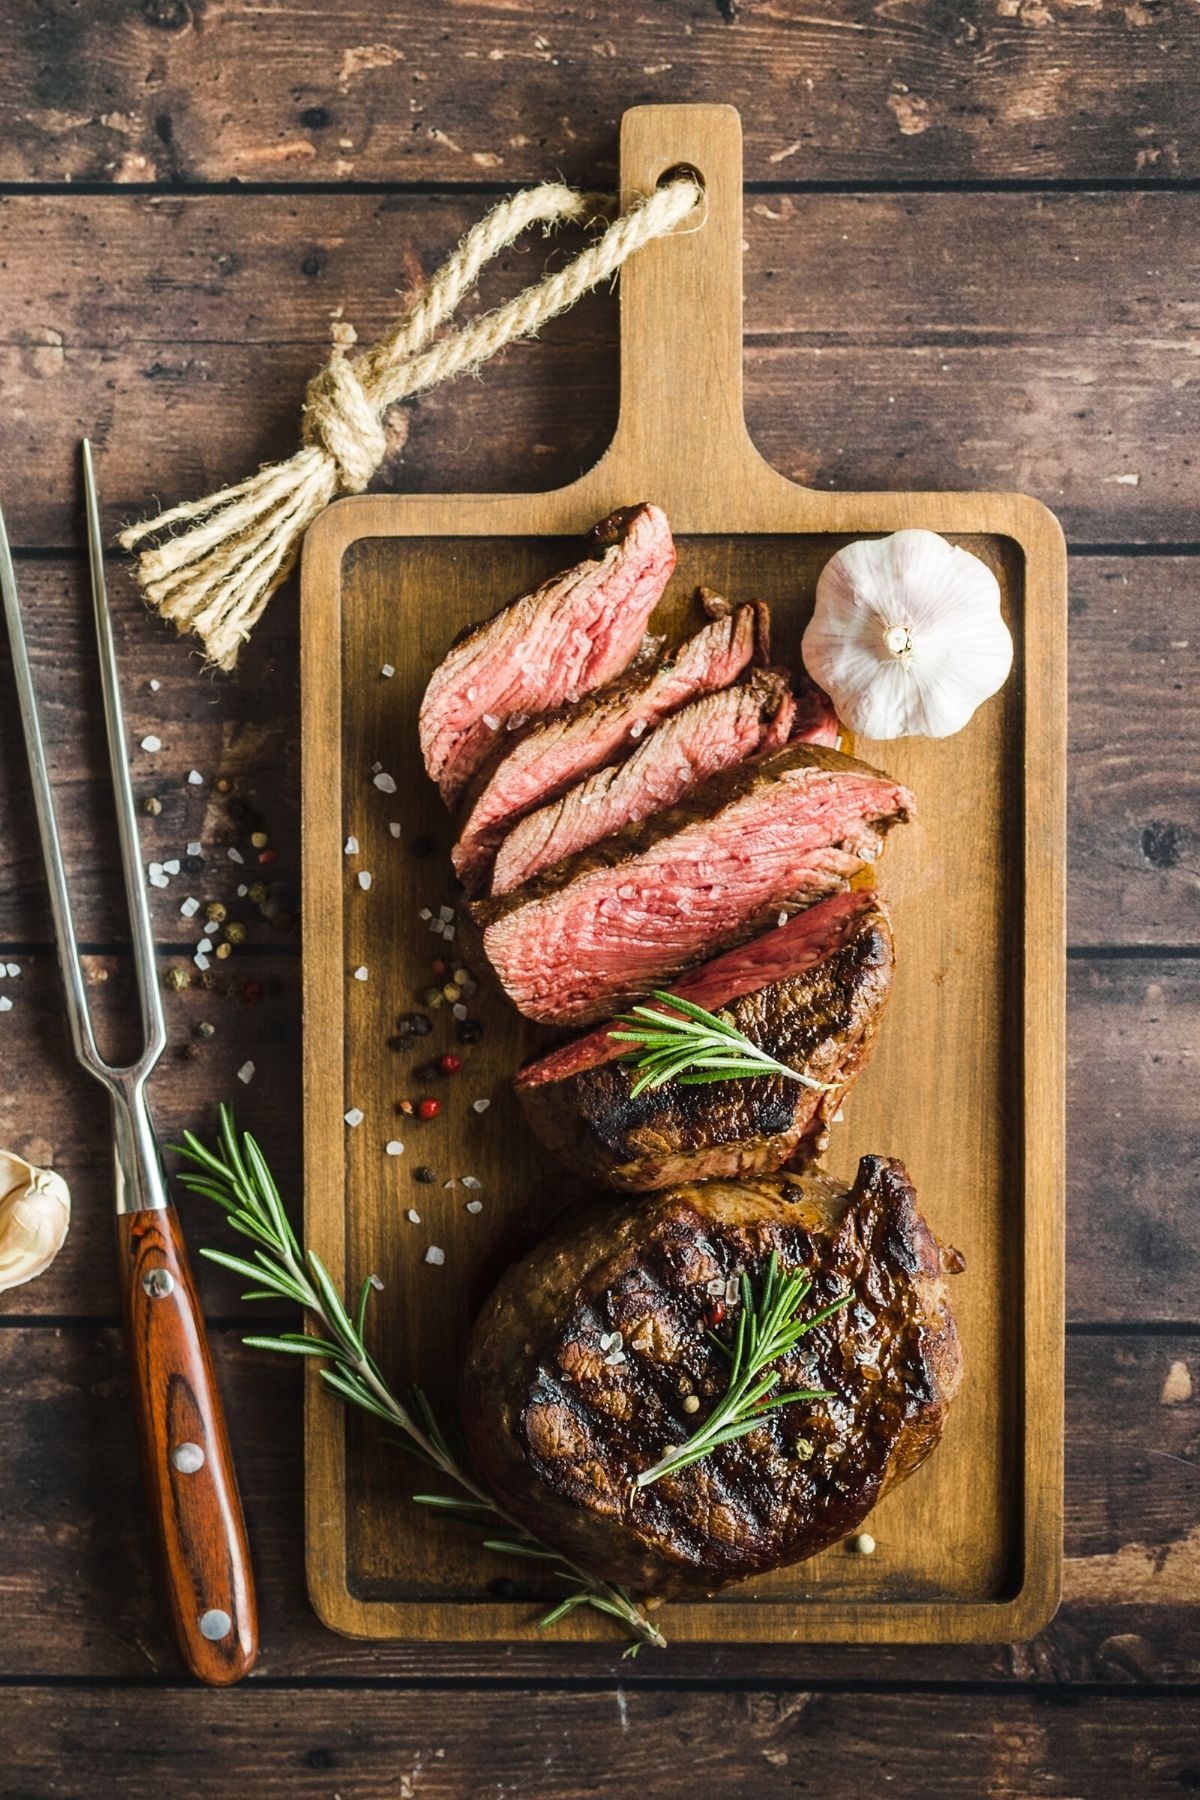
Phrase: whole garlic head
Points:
(35, 1211)
(906, 636)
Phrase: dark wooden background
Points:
(972, 260)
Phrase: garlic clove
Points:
(906, 636)
(35, 1212)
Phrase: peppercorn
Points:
(266, 856)
(440, 967)
(414, 1024)
(259, 839)
(223, 951)
(405, 1107)
(190, 1052)
(215, 911)
(235, 932)
(258, 892)
(428, 1109)
(223, 784)
(714, 1314)
(421, 846)
(205, 1030)
(208, 980)
(424, 1175)
(152, 806)
(432, 998)
(450, 992)
(449, 1065)
(469, 1031)
(252, 991)
(177, 979)
(193, 864)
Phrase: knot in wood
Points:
(339, 417)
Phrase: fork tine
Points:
(43, 804)
(149, 998)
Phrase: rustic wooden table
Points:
(972, 260)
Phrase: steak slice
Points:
(816, 720)
(559, 750)
(811, 994)
(712, 733)
(574, 633)
(561, 1415)
(777, 833)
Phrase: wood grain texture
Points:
(193, 1509)
(77, 1598)
(1133, 813)
(146, 322)
(977, 893)
(176, 91)
(553, 1745)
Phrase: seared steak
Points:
(810, 993)
(711, 734)
(580, 1362)
(555, 752)
(572, 634)
(774, 834)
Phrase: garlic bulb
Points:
(35, 1210)
(906, 636)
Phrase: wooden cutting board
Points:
(967, 1081)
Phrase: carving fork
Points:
(191, 1491)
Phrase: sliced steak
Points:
(816, 721)
(775, 834)
(557, 751)
(810, 993)
(572, 634)
(580, 1362)
(711, 734)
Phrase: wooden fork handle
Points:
(187, 1470)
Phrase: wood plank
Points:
(148, 321)
(1134, 794)
(76, 1595)
(555, 1745)
(183, 92)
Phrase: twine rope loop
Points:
(239, 545)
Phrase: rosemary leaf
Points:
(694, 1047)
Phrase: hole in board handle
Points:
(687, 172)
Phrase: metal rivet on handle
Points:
(187, 1458)
(158, 1283)
(215, 1624)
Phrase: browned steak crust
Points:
(559, 1425)
(821, 1020)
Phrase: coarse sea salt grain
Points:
(235, 856)
(445, 912)
(387, 671)
(205, 945)
(13, 969)
(159, 881)
(351, 847)
(458, 1010)
(151, 744)
(194, 849)
(242, 890)
(360, 974)
(782, 919)
(246, 1072)
(471, 1181)
(154, 686)
(364, 879)
(385, 783)
(491, 721)
(201, 961)
(413, 1216)
(394, 1147)
(375, 768)
(480, 1106)
(452, 1183)
(354, 1117)
(425, 913)
(189, 906)
(474, 1206)
(435, 1254)
(394, 828)
(172, 867)
(195, 778)
(5, 1003)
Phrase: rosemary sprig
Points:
(236, 1178)
(767, 1328)
(693, 1047)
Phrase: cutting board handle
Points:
(681, 437)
